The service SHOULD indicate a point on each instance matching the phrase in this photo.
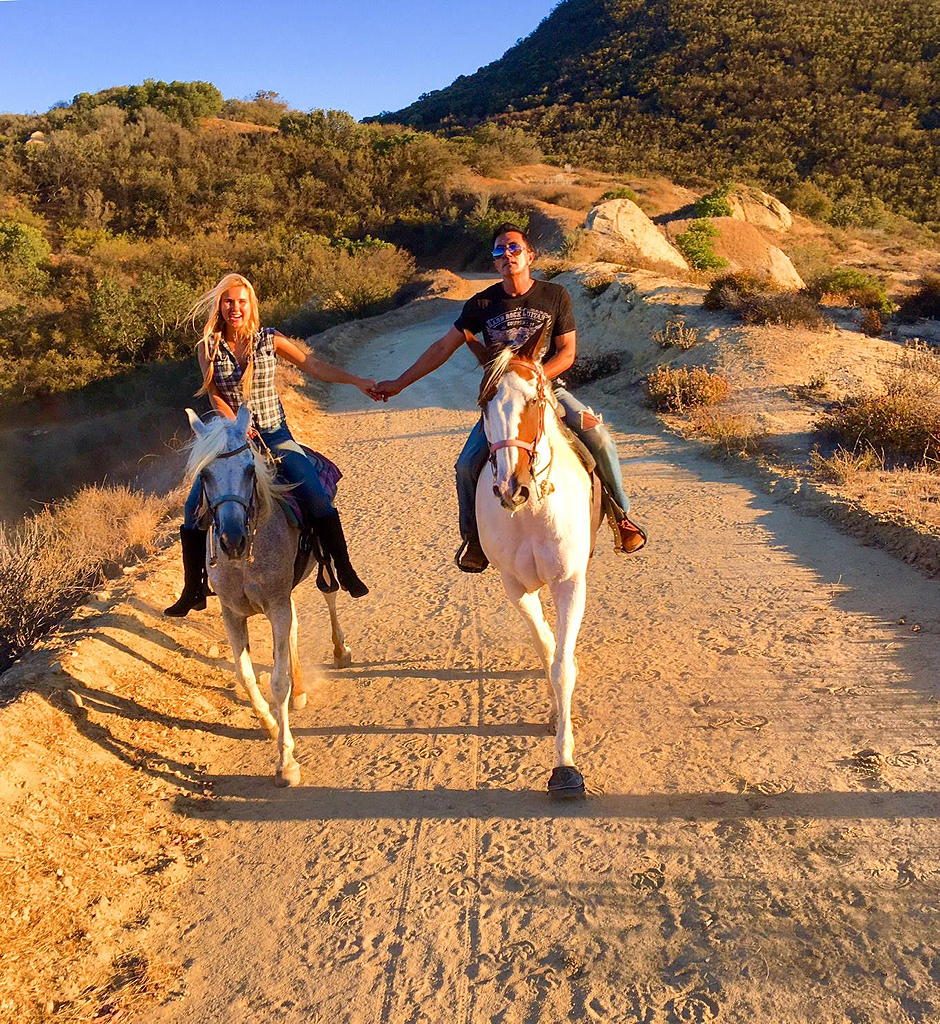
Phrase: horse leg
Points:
(236, 627)
(282, 617)
(298, 694)
(569, 598)
(342, 656)
(529, 607)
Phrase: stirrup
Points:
(471, 557)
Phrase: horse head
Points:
(225, 462)
(514, 396)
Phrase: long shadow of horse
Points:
(249, 798)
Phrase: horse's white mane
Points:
(217, 438)
(496, 369)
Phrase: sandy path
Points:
(735, 860)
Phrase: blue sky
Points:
(355, 56)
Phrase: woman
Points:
(238, 359)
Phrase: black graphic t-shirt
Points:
(513, 319)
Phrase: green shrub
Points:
(492, 148)
(852, 287)
(674, 389)
(623, 192)
(810, 200)
(695, 243)
(24, 255)
(714, 203)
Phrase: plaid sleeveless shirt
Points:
(267, 413)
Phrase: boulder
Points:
(759, 208)
(743, 247)
(625, 223)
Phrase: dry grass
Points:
(844, 467)
(598, 282)
(676, 333)
(734, 433)
(902, 421)
(675, 389)
(52, 558)
(756, 302)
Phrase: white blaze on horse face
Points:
(502, 418)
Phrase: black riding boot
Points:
(195, 579)
(330, 531)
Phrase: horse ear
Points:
(243, 419)
(535, 346)
(199, 428)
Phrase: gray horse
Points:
(251, 569)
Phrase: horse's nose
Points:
(234, 544)
(512, 496)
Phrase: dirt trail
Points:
(755, 712)
(756, 722)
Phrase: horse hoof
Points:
(289, 776)
(565, 783)
(298, 701)
(343, 660)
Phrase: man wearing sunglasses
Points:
(509, 313)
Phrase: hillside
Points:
(842, 96)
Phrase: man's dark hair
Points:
(507, 226)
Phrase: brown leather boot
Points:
(632, 536)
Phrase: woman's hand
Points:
(367, 387)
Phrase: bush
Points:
(733, 433)
(51, 559)
(676, 334)
(620, 193)
(24, 254)
(789, 309)
(925, 302)
(755, 302)
(587, 369)
(852, 287)
(726, 292)
(714, 203)
(810, 200)
(597, 283)
(491, 149)
(872, 323)
(695, 243)
(844, 467)
(675, 389)
(903, 422)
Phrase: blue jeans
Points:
(597, 440)
(293, 468)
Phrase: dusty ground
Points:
(757, 711)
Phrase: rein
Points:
(249, 507)
(531, 372)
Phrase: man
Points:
(509, 313)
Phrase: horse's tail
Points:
(296, 675)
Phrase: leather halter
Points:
(529, 371)
(248, 506)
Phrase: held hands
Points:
(384, 390)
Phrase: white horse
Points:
(250, 562)
(537, 528)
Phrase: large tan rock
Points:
(759, 208)
(624, 222)
(743, 247)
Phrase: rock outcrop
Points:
(759, 208)
(624, 223)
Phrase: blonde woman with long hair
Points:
(238, 359)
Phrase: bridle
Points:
(248, 505)
(533, 372)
